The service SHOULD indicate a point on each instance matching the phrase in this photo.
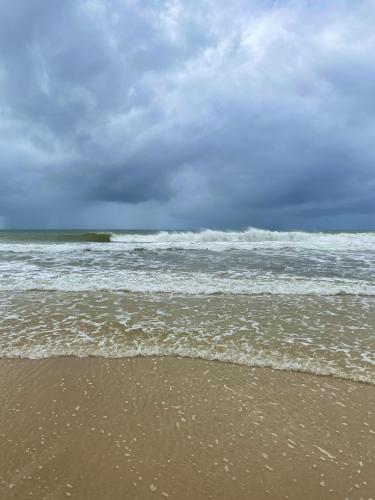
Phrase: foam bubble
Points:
(261, 360)
(249, 262)
(193, 283)
(237, 239)
(326, 336)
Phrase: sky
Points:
(187, 114)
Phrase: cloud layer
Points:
(187, 114)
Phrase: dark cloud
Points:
(188, 114)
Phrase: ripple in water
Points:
(323, 335)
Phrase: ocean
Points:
(286, 300)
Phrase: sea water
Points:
(287, 300)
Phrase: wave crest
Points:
(250, 235)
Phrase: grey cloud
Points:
(253, 113)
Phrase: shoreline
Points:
(158, 427)
(334, 374)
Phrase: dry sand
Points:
(149, 428)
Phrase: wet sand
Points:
(145, 428)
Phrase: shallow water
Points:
(289, 300)
(324, 335)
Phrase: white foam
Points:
(262, 360)
(193, 283)
(369, 357)
(283, 332)
(310, 263)
(237, 239)
(207, 239)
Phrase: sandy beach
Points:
(145, 428)
(187, 250)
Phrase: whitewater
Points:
(288, 300)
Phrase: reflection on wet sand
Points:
(145, 428)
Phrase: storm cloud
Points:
(187, 113)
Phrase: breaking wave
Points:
(250, 235)
(207, 238)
